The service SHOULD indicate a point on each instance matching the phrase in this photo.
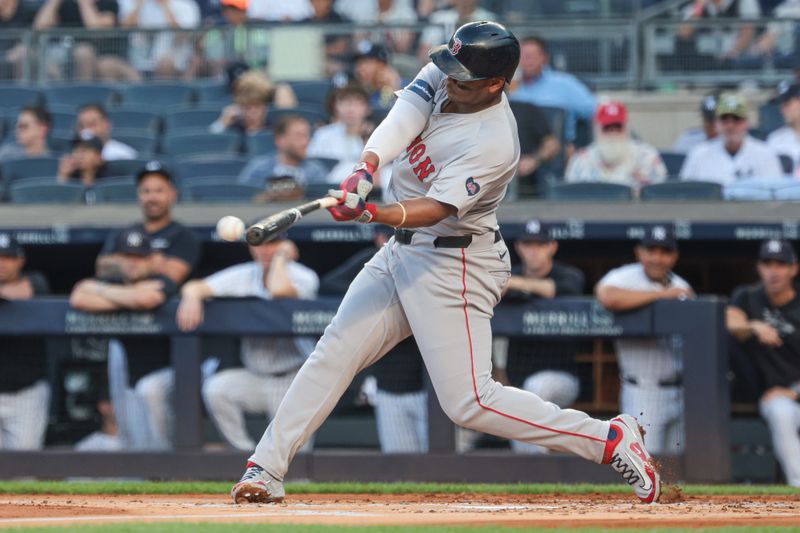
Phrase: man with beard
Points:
(733, 155)
(615, 156)
(650, 369)
(765, 318)
(176, 249)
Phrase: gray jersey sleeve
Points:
(421, 91)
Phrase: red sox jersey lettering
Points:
(416, 150)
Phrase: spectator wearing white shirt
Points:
(343, 139)
(786, 140)
(705, 132)
(165, 54)
(269, 364)
(615, 157)
(280, 10)
(734, 155)
(93, 117)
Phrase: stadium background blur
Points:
(164, 81)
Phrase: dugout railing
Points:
(700, 324)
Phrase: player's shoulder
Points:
(241, 271)
(706, 148)
(300, 269)
(677, 281)
(743, 295)
(644, 149)
(781, 135)
(630, 272)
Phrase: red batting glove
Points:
(351, 207)
(360, 181)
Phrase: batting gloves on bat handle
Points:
(360, 181)
(351, 207)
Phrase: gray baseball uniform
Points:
(650, 370)
(445, 296)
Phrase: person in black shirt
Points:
(400, 400)
(765, 318)
(544, 367)
(24, 391)
(139, 287)
(85, 164)
(96, 58)
(176, 248)
(538, 146)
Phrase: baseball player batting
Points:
(453, 144)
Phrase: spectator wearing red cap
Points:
(615, 156)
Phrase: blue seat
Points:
(33, 167)
(219, 190)
(63, 122)
(215, 93)
(134, 122)
(743, 192)
(74, 96)
(192, 170)
(16, 97)
(45, 191)
(311, 92)
(198, 120)
(314, 116)
(261, 143)
(770, 117)
(589, 190)
(206, 143)
(111, 190)
(682, 190)
(125, 167)
(157, 96)
(144, 144)
(673, 161)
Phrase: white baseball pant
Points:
(402, 420)
(783, 418)
(659, 410)
(23, 417)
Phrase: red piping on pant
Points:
(472, 366)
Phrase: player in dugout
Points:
(453, 142)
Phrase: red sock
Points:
(251, 463)
(614, 436)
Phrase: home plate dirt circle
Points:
(583, 510)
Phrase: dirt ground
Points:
(349, 509)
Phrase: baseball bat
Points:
(266, 230)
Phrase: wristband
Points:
(366, 165)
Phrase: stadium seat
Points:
(217, 94)
(758, 133)
(673, 161)
(589, 191)
(788, 193)
(219, 190)
(63, 122)
(311, 92)
(34, 167)
(770, 117)
(125, 167)
(314, 116)
(134, 122)
(157, 96)
(112, 190)
(261, 143)
(195, 120)
(225, 168)
(146, 145)
(682, 190)
(16, 97)
(45, 191)
(748, 193)
(204, 143)
(74, 96)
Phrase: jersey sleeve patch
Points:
(472, 187)
(422, 88)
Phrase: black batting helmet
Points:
(477, 51)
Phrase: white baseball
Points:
(230, 228)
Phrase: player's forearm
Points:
(549, 149)
(87, 296)
(197, 289)
(617, 299)
(415, 213)
(738, 324)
